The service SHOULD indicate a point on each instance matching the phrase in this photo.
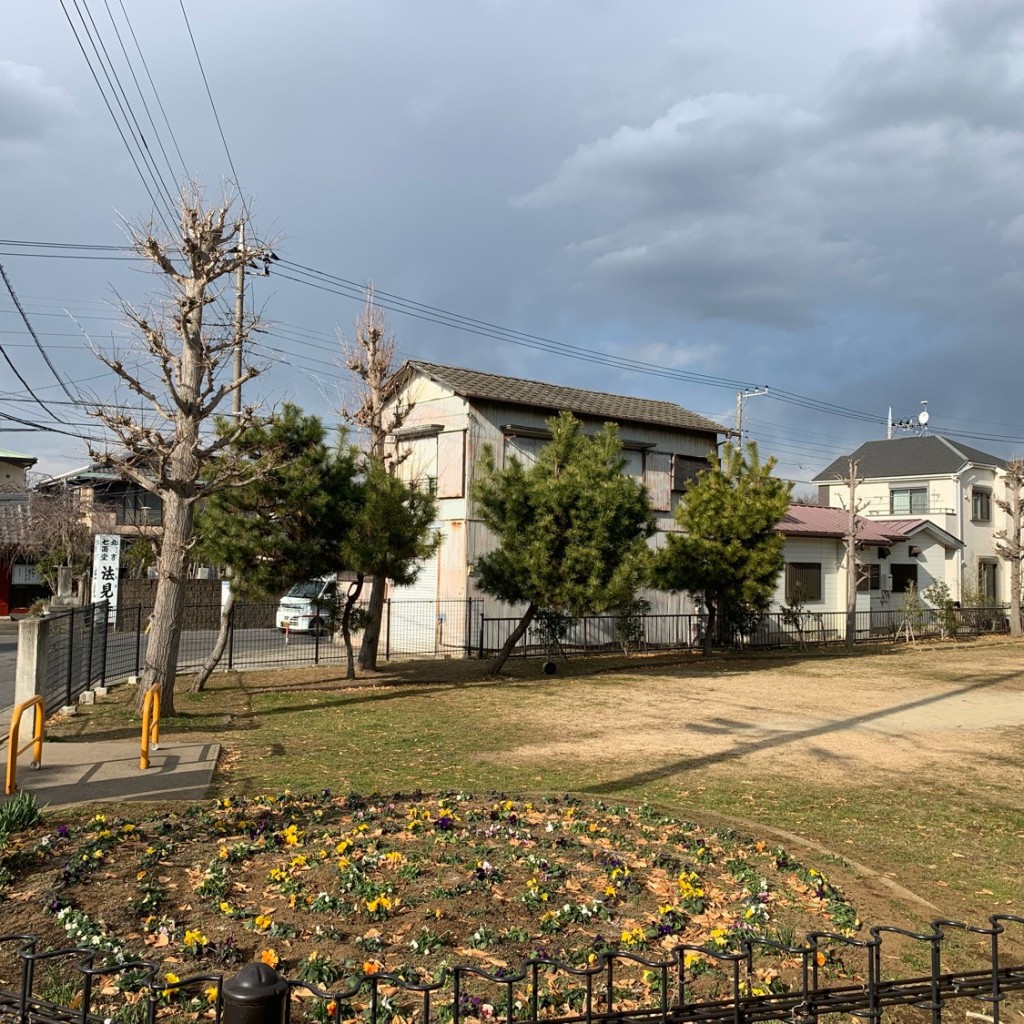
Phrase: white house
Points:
(455, 412)
(909, 483)
(891, 553)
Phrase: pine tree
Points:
(729, 552)
(388, 538)
(289, 526)
(572, 527)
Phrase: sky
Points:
(678, 199)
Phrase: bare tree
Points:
(61, 538)
(182, 378)
(1009, 543)
(371, 357)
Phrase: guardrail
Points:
(150, 724)
(13, 750)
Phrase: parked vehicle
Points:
(307, 607)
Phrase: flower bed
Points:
(327, 889)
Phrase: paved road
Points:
(8, 659)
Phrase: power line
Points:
(42, 351)
(135, 79)
(110, 109)
(213, 106)
(127, 110)
(152, 85)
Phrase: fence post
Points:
(106, 641)
(387, 635)
(71, 657)
(138, 640)
(30, 671)
(257, 994)
(316, 635)
(480, 650)
(92, 639)
(231, 637)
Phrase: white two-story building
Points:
(906, 485)
(455, 412)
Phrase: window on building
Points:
(803, 582)
(981, 505)
(987, 583)
(903, 577)
(684, 469)
(908, 500)
(869, 577)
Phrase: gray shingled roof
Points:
(930, 455)
(554, 397)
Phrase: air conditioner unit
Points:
(886, 581)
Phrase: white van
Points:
(306, 607)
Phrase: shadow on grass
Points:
(780, 739)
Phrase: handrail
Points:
(13, 750)
(150, 724)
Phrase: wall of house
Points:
(979, 535)
(934, 563)
(13, 476)
(826, 551)
(874, 499)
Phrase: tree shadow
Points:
(778, 739)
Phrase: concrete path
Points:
(76, 772)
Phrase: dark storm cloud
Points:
(759, 209)
(29, 108)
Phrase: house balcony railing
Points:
(139, 517)
(917, 513)
(107, 517)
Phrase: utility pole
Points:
(236, 397)
(741, 397)
(851, 557)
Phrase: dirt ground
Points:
(909, 710)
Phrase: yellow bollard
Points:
(150, 724)
(36, 743)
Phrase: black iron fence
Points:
(762, 980)
(76, 657)
(89, 645)
(262, 635)
(774, 629)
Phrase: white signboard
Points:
(106, 569)
(25, 576)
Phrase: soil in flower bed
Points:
(327, 889)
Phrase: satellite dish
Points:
(923, 417)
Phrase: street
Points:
(8, 660)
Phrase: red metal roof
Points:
(818, 521)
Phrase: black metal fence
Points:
(257, 637)
(85, 648)
(76, 657)
(774, 629)
(602, 991)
